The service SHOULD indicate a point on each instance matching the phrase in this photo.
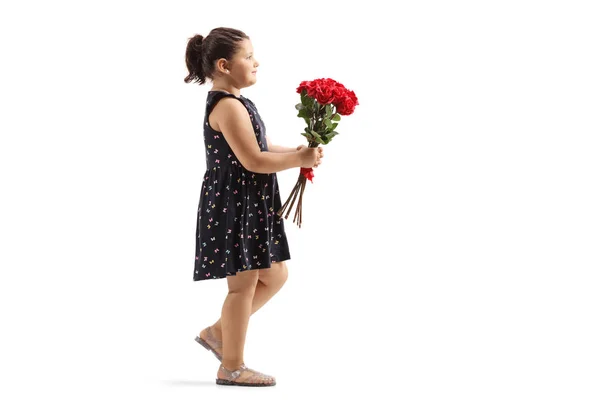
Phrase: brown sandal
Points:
(211, 343)
(256, 379)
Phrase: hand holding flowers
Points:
(323, 101)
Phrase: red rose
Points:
(329, 82)
(329, 91)
(303, 85)
(347, 104)
(339, 92)
(324, 94)
(309, 86)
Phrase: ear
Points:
(222, 66)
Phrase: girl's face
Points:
(243, 65)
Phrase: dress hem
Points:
(237, 272)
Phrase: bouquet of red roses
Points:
(323, 101)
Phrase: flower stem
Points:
(287, 202)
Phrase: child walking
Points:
(239, 235)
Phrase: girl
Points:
(239, 235)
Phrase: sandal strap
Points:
(217, 343)
(232, 375)
(253, 378)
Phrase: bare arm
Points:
(279, 149)
(234, 122)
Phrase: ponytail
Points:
(193, 60)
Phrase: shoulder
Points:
(231, 113)
(230, 105)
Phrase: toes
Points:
(259, 377)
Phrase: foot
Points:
(213, 338)
(243, 376)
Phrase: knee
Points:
(243, 283)
(282, 273)
(275, 276)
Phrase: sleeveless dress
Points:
(238, 228)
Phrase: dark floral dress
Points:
(238, 228)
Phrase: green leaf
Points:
(304, 113)
(330, 135)
(327, 123)
(319, 140)
(299, 106)
(336, 117)
(315, 134)
(333, 126)
(306, 100)
(328, 111)
(307, 135)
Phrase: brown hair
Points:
(202, 52)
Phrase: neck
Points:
(227, 88)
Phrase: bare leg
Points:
(270, 280)
(234, 320)
(235, 315)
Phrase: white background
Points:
(450, 241)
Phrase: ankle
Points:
(232, 365)
(216, 330)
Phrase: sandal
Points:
(211, 343)
(255, 379)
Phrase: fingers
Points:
(319, 156)
(318, 161)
